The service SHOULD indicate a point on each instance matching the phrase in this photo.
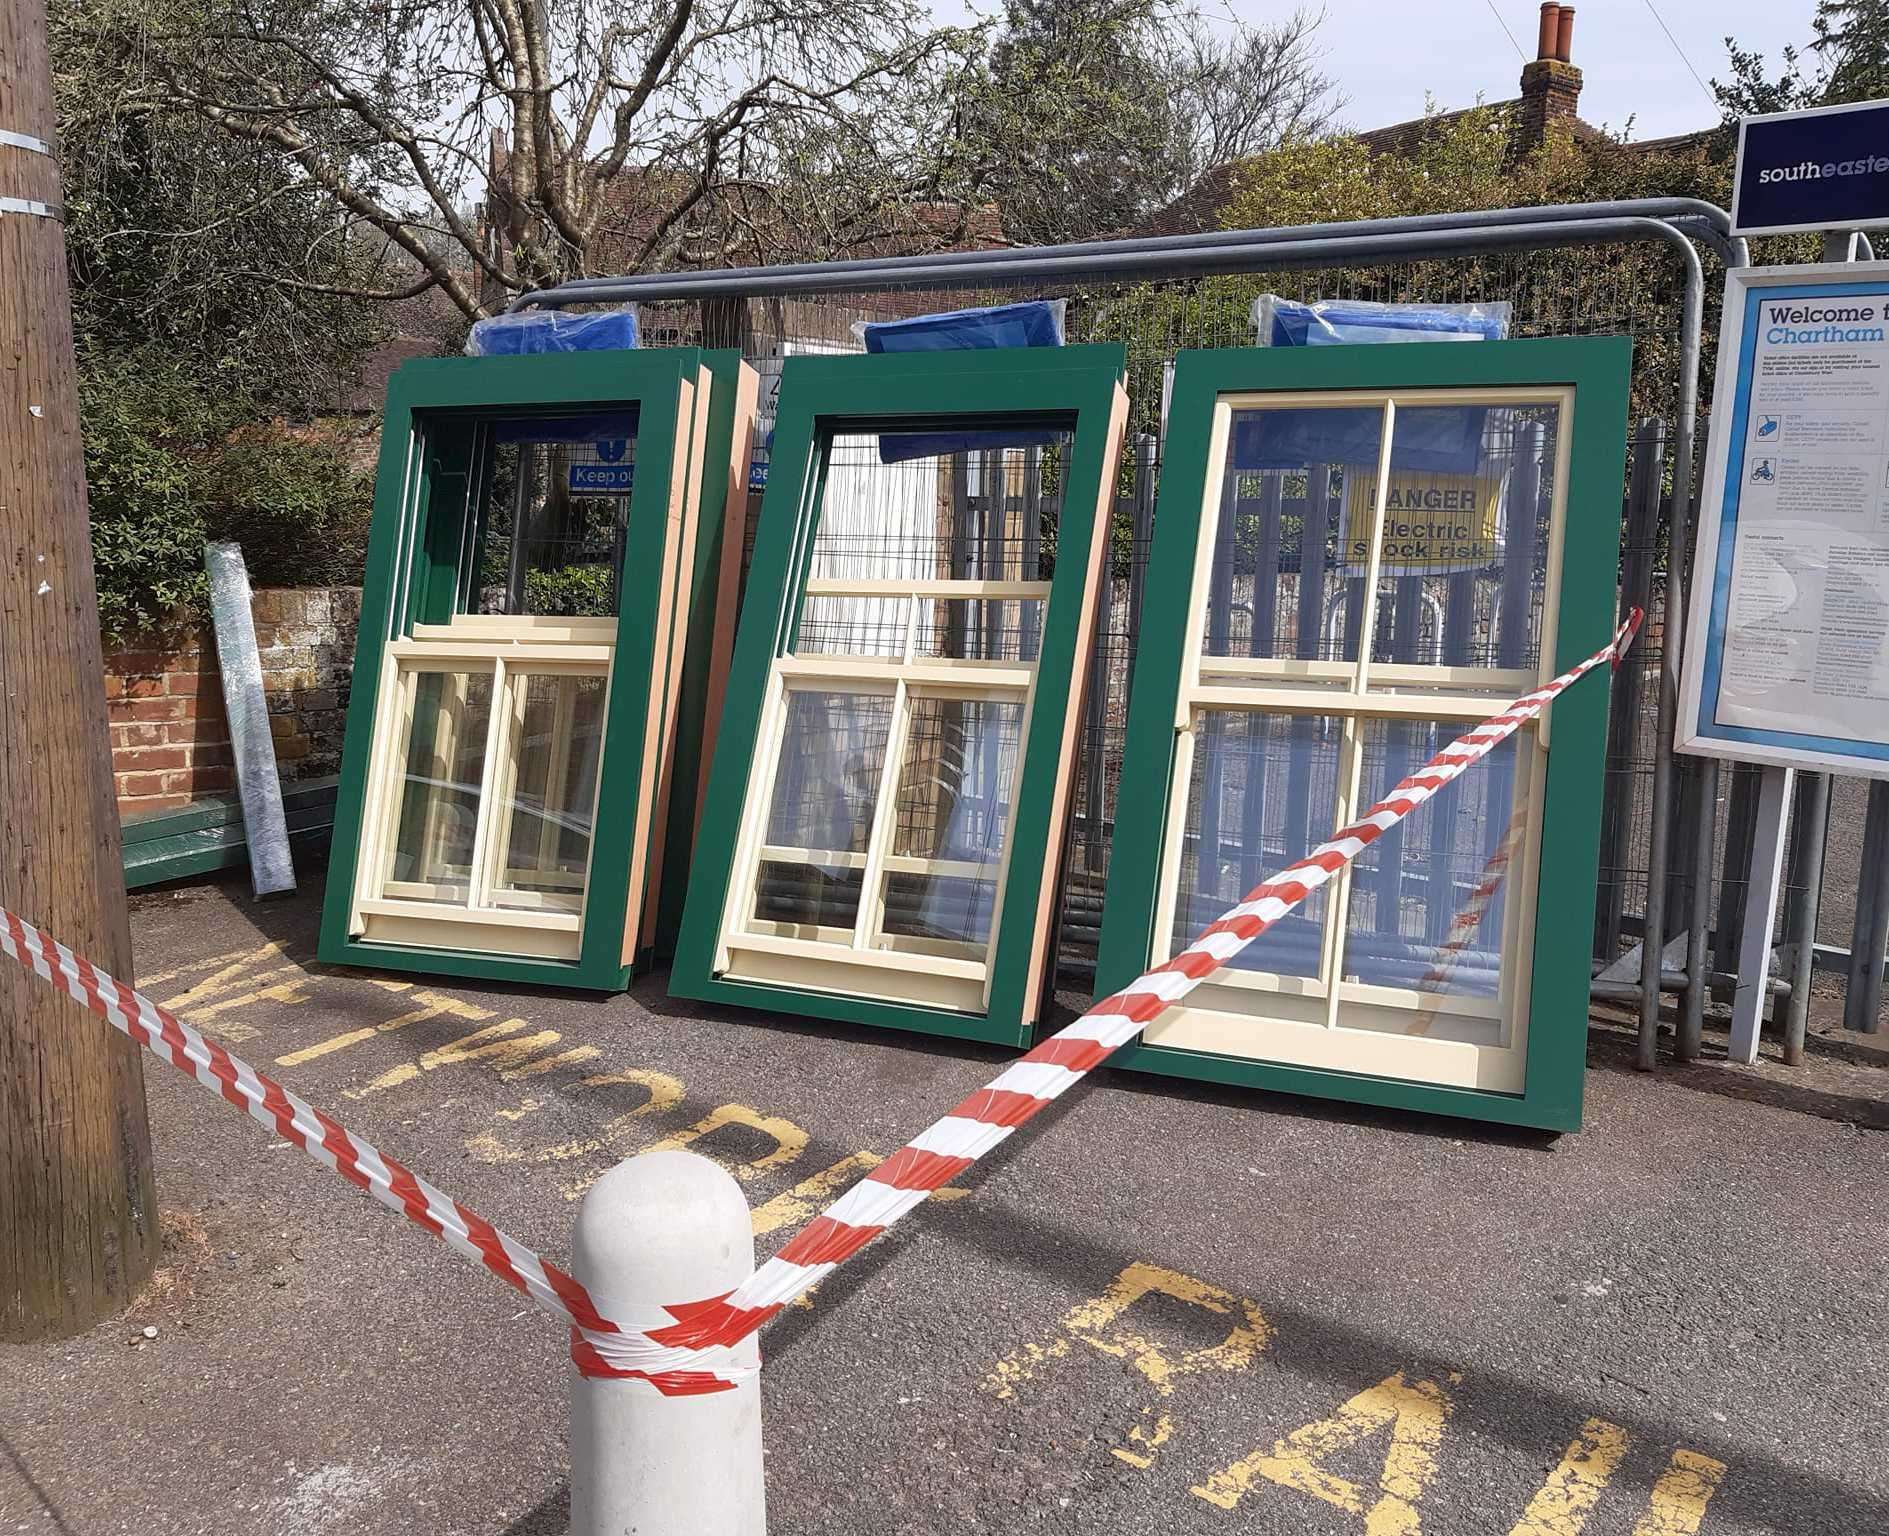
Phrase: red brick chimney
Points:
(1551, 86)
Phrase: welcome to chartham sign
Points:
(1822, 168)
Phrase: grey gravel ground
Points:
(1695, 1281)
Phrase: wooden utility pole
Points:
(78, 1223)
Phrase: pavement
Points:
(1161, 1308)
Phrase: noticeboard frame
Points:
(1709, 580)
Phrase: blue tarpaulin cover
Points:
(1335, 322)
(1429, 440)
(589, 427)
(1033, 323)
(552, 330)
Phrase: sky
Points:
(1385, 54)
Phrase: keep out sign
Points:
(1432, 522)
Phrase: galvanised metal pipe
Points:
(1711, 223)
(1690, 1036)
(1217, 258)
(1813, 822)
(1678, 561)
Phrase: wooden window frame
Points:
(509, 653)
(423, 547)
(1546, 994)
(995, 996)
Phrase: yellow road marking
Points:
(158, 978)
(432, 1005)
(1680, 1495)
(1095, 1323)
(1163, 1429)
(665, 1092)
(294, 990)
(221, 981)
(336, 1043)
(1414, 1412)
(1564, 1502)
(568, 1058)
(493, 1044)
(789, 1142)
(804, 1200)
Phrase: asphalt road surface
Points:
(1161, 1308)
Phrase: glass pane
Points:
(546, 854)
(853, 626)
(1430, 899)
(957, 781)
(947, 908)
(942, 505)
(1277, 583)
(979, 629)
(1262, 795)
(1466, 534)
(832, 754)
(555, 511)
(440, 792)
(808, 895)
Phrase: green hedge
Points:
(167, 468)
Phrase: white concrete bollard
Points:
(665, 1227)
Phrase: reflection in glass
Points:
(827, 783)
(979, 629)
(1277, 585)
(1260, 797)
(947, 908)
(808, 895)
(1465, 551)
(438, 817)
(556, 509)
(984, 512)
(546, 854)
(956, 787)
(1429, 899)
(955, 783)
(852, 626)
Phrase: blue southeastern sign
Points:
(1824, 168)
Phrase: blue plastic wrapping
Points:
(1032, 323)
(1281, 322)
(1434, 440)
(586, 427)
(552, 330)
(1429, 439)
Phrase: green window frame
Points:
(1181, 680)
(1077, 390)
(418, 617)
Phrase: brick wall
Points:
(170, 739)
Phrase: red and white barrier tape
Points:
(675, 1370)
(1464, 924)
(687, 1348)
(1052, 1068)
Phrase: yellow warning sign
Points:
(1434, 522)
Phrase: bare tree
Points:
(490, 146)
(1249, 90)
(1094, 113)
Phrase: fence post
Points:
(665, 1227)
